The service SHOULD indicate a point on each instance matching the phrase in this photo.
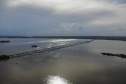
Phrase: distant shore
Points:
(122, 38)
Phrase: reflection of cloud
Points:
(56, 80)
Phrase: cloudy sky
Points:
(63, 17)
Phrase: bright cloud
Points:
(116, 13)
(65, 6)
(70, 26)
(116, 18)
(67, 16)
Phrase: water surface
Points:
(80, 64)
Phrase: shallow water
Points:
(80, 64)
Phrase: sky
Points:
(63, 17)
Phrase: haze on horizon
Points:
(63, 17)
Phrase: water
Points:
(22, 45)
(80, 64)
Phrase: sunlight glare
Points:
(56, 80)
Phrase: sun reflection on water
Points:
(56, 80)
